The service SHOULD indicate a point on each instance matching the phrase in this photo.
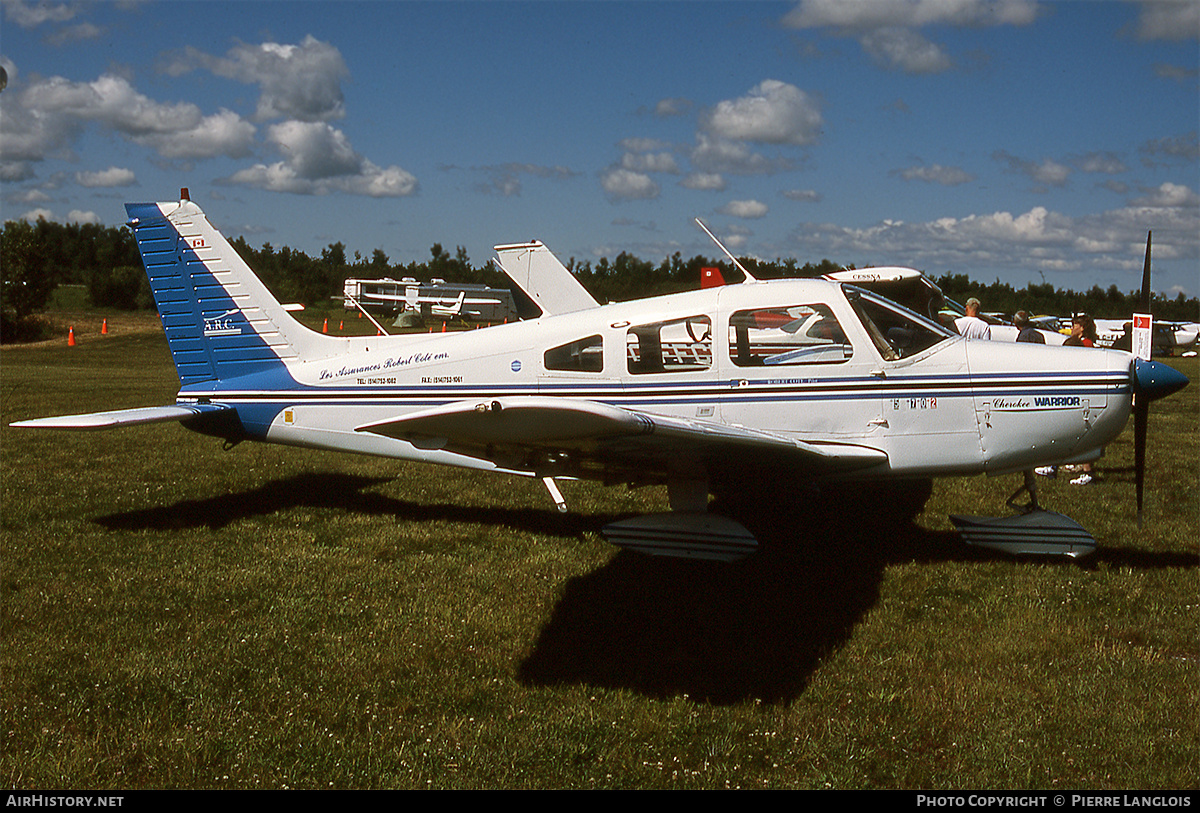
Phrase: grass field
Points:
(180, 616)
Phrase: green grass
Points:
(176, 615)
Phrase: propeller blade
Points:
(1141, 401)
(1141, 417)
(1151, 380)
(1145, 303)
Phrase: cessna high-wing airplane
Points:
(427, 300)
(807, 379)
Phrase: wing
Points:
(123, 417)
(435, 300)
(565, 437)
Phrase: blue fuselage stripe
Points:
(730, 392)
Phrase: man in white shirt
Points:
(971, 325)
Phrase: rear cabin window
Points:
(678, 346)
(800, 334)
(580, 356)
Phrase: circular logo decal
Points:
(516, 366)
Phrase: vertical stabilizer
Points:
(221, 322)
(543, 278)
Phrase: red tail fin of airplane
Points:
(711, 278)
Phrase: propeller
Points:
(1151, 380)
(1141, 405)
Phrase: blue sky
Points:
(1012, 140)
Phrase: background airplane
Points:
(437, 299)
(708, 391)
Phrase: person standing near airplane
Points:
(971, 325)
(1083, 332)
(1028, 333)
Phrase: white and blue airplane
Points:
(694, 390)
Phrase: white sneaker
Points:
(1046, 471)
(1083, 480)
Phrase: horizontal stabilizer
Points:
(683, 535)
(1043, 533)
(123, 417)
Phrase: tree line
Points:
(36, 258)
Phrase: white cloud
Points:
(704, 181)
(1100, 162)
(318, 160)
(223, 133)
(15, 171)
(31, 15)
(49, 115)
(773, 112)
(1048, 171)
(905, 49)
(720, 155)
(888, 29)
(75, 33)
(107, 178)
(1181, 148)
(315, 150)
(112, 101)
(650, 162)
(1037, 239)
(505, 179)
(625, 184)
(302, 82)
(802, 195)
(936, 173)
(30, 196)
(1169, 20)
(746, 209)
(78, 216)
(873, 14)
(672, 107)
(1168, 195)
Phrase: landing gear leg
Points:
(1030, 486)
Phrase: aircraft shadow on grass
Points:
(756, 629)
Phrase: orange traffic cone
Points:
(104, 328)
(71, 336)
(341, 325)
(325, 327)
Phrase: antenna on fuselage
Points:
(749, 277)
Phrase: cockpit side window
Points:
(800, 334)
(896, 331)
(677, 346)
(580, 356)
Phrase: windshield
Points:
(896, 331)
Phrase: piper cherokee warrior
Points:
(812, 380)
